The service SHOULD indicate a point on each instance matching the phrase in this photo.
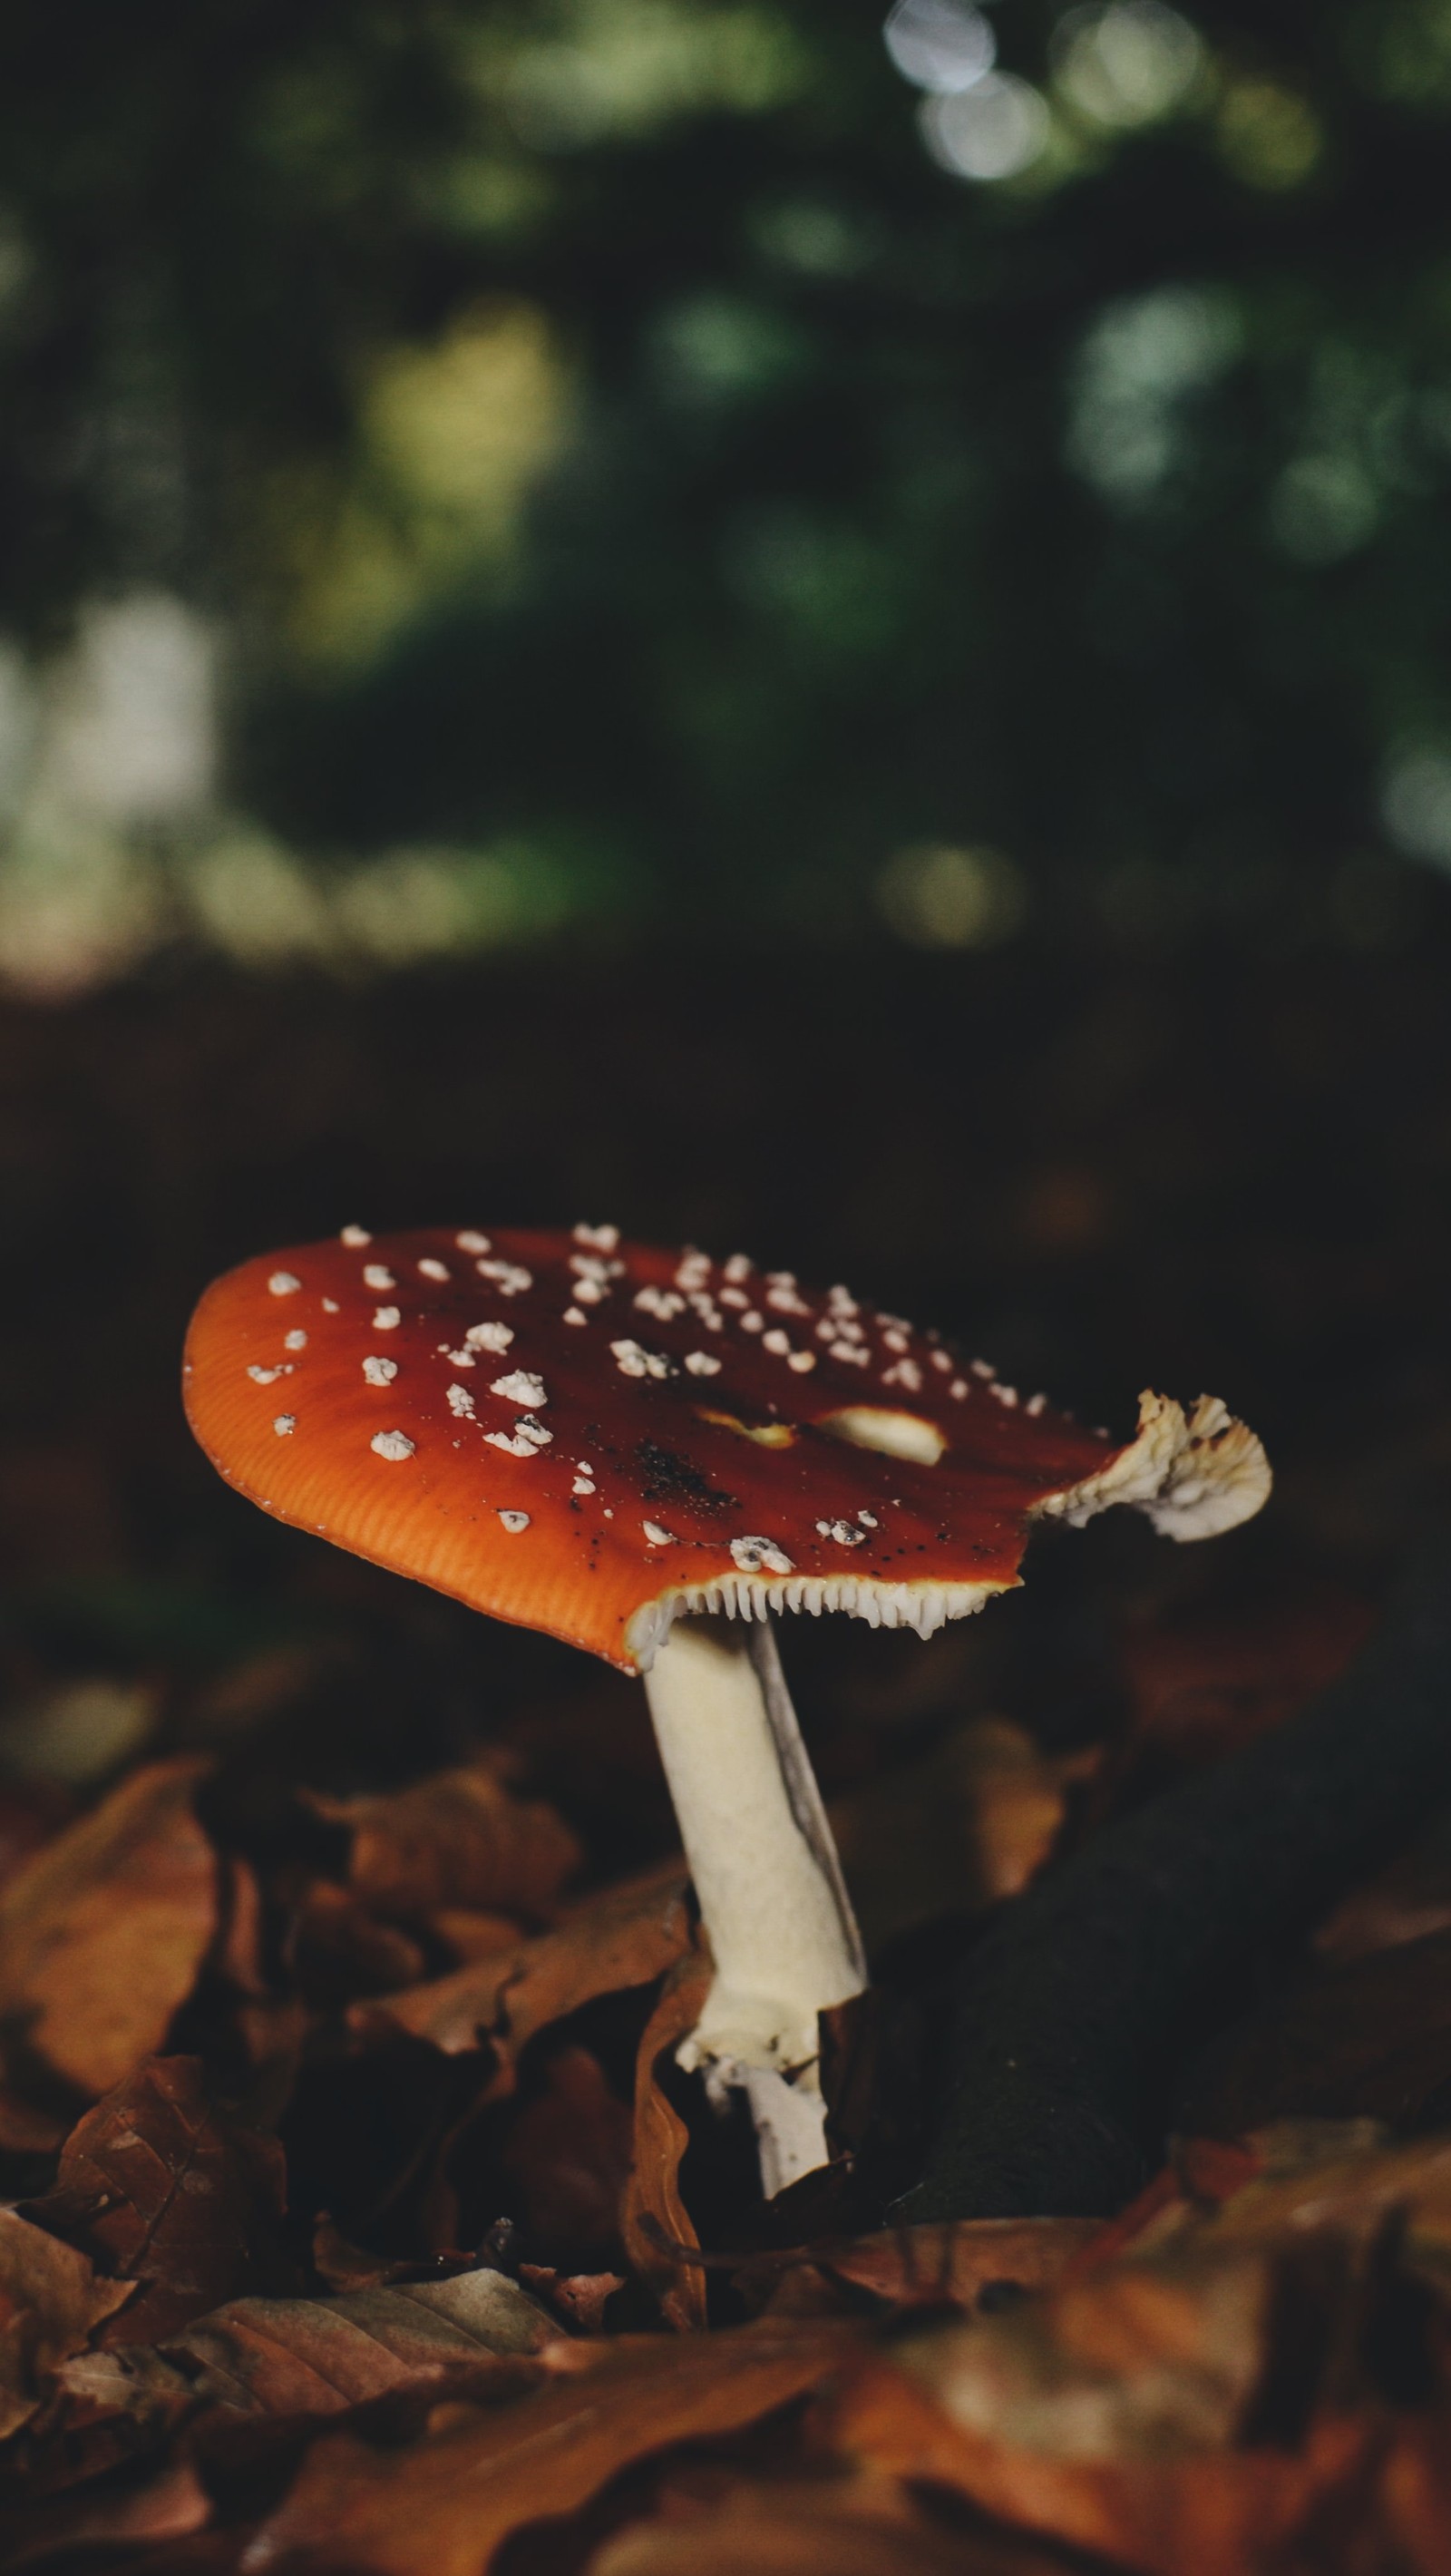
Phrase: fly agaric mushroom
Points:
(645, 1453)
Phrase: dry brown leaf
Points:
(461, 1838)
(107, 2517)
(1361, 2036)
(160, 2186)
(1209, 2399)
(50, 2303)
(1207, 2513)
(580, 2298)
(567, 2157)
(654, 2216)
(1331, 2174)
(934, 2266)
(1202, 1685)
(970, 1824)
(626, 1936)
(442, 2506)
(336, 1949)
(821, 2526)
(103, 1931)
(317, 2356)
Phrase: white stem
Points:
(769, 1885)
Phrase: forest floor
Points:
(355, 2216)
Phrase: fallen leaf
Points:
(580, 2298)
(321, 2356)
(653, 2216)
(336, 1949)
(626, 1936)
(103, 1931)
(931, 2266)
(50, 2303)
(1402, 1903)
(1365, 2036)
(1332, 2175)
(1203, 2514)
(822, 2526)
(568, 2156)
(1202, 1685)
(160, 2186)
(1218, 2396)
(460, 1838)
(164, 2507)
(442, 2506)
(956, 1832)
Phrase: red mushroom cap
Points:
(588, 1436)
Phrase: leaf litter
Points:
(363, 2225)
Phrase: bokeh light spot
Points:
(937, 895)
(994, 130)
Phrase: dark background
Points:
(591, 632)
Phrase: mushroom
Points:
(646, 1453)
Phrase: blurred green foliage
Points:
(621, 468)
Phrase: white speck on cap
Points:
(855, 1354)
(738, 1267)
(508, 1277)
(380, 1372)
(1005, 1394)
(284, 1424)
(959, 1388)
(776, 1342)
(753, 1554)
(942, 1359)
(661, 1302)
(575, 1315)
(603, 1237)
(283, 1283)
(657, 1536)
(904, 1373)
(330, 1306)
(295, 1340)
(469, 1241)
(629, 1359)
(588, 1292)
(267, 1377)
(393, 1445)
(584, 1485)
(844, 1533)
(489, 1337)
(528, 1436)
(386, 1319)
(896, 1340)
(609, 1515)
(458, 1359)
(982, 1368)
(734, 1297)
(431, 1269)
(801, 1362)
(1036, 1404)
(521, 1386)
(702, 1363)
(376, 1274)
(461, 1402)
(355, 1236)
(514, 1522)
(868, 1520)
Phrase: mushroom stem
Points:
(767, 1878)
